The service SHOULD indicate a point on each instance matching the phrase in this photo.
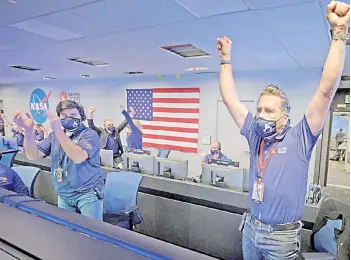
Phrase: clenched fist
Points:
(224, 47)
(338, 14)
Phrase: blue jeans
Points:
(88, 205)
(261, 242)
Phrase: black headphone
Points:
(65, 104)
(219, 146)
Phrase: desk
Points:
(193, 215)
(5, 150)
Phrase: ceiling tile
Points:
(293, 19)
(23, 10)
(259, 4)
(309, 49)
(133, 14)
(205, 8)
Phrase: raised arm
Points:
(129, 119)
(30, 147)
(226, 83)
(121, 127)
(90, 118)
(338, 15)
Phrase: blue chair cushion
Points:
(325, 239)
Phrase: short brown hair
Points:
(277, 91)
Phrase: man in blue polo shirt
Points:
(280, 153)
(216, 152)
(2, 123)
(10, 180)
(75, 158)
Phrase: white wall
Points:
(108, 94)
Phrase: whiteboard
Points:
(234, 145)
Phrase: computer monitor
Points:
(106, 158)
(223, 162)
(138, 163)
(10, 143)
(224, 176)
(175, 169)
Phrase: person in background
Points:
(110, 138)
(39, 132)
(215, 152)
(10, 180)
(18, 133)
(280, 153)
(2, 123)
(339, 138)
(134, 131)
(75, 158)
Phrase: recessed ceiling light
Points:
(12, 1)
(48, 78)
(89, 62)
(133, 72)
(186, 51)
(84, 75)
(197, 69)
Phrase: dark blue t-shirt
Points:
(10, 180)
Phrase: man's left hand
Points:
(55, 121)
(338, 14)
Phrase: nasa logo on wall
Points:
(38, 104)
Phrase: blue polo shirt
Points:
(10, 180)
(39, 136)
(112, 144)
(135, 138)
(220, 157)
(2, 126)
(286, 174)
(77, 178)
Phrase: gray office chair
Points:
(330, 237)
(43, 188)
(163, 153)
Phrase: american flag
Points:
(169, 117)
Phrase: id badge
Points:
(59, 174)
(257, 192)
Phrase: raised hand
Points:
(224, 47)
(92, 110)
(338, 14)
(122, 107)
(55, 121)
(24, 120)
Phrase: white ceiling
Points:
(270, 34)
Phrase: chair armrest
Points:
(317, 256)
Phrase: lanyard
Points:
(262, 163)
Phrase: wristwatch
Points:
(341, 36)
(226, 62)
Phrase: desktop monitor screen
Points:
(178, 169)
(106, 158)
(145, 162)
(233, 176)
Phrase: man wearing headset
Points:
(215, 152)
(75, 158)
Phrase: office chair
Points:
(120, 200)
(28, 175)
(332, 222)
(163, 153)
(8, 158)
(43, 188)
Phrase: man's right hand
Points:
(224, 47)
(24, 120)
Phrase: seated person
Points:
(134, 131)
(109, 136)
(2, 123)
(216, 152)
(39, 132)
(10, 180)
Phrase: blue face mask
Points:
(70, 123)
(213, 152)
(15, 131)
(111, 129)
(265, 127)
